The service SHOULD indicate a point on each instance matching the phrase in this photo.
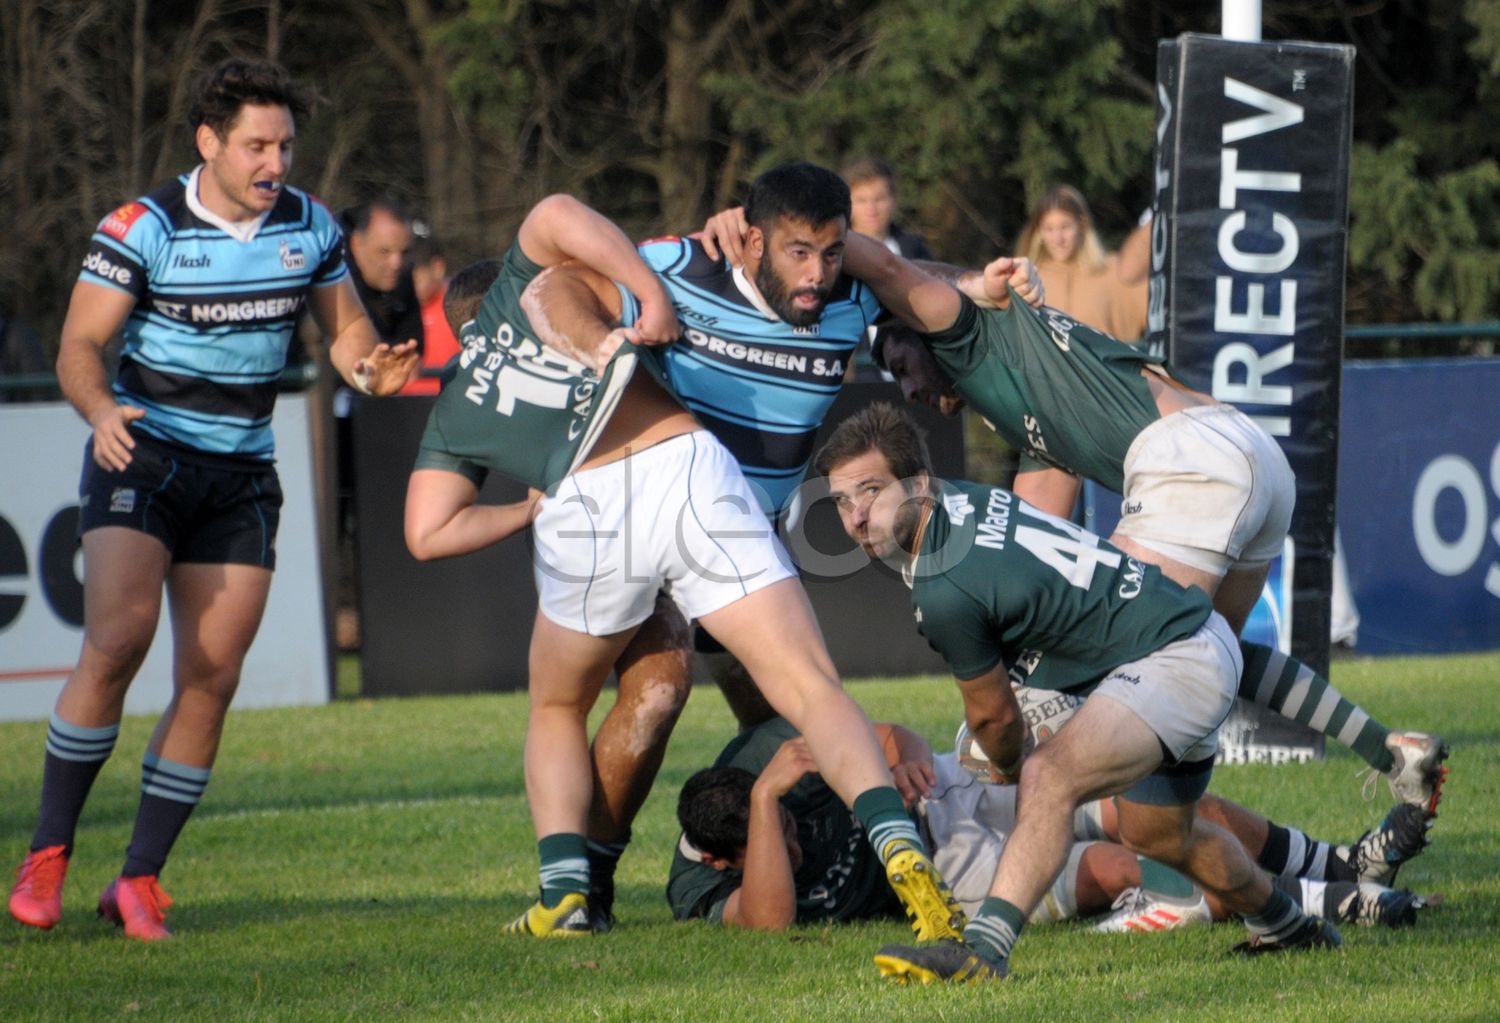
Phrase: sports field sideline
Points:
(357, 861)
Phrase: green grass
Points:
(356, 862)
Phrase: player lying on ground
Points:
(640, 500)
(997, 583)
(1207, 493)
(766, 844)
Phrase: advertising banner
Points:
(1248, 248)
(41, 574)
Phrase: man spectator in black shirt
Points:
(378, 237)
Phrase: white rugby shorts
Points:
(1183, 691)
(1209, 487)
(677, 518)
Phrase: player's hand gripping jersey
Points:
(215, 304)
(757, 383)
(998, 580)
(1064, 394)
(515, 406)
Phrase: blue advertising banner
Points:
(1419, 509)
(1419, 503)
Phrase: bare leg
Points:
(122, 585)
(1103, 748)
(1205, 852)
(216, 611)
(655, 674)
(746, 701)
(774, 634)
(567, 671)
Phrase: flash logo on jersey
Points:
(292, 256)
(122, 500)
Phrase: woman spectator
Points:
(1105, 291)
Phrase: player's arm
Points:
(910, 760)
(767, 897)
(95, 314)
(990, 288)
(576, 310)
(560, 228)
(364, 361)
(444, 518)
(995, 722)
(921, 301)
(1053, 490)
(1134, 259)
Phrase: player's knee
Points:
(1046, 779)
(113, 652)
(655, 704)
(215, 683)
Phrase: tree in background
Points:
(658, 111)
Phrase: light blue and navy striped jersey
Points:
(207, 339)
(759, 384)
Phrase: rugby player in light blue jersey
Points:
(204, 279)
(641, 500)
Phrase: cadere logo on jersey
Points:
(117, 225)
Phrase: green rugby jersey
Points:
(996, 580)
(515, 406)
(1062, 393)
(840, 878)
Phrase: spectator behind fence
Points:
(872, 199)
(1105, 291)
(378, 237)
(872, 196)
(429, 275)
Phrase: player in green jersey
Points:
(997, 583)
(639, 499)
(1208, 493)
(766, 844)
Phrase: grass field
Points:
(356, 862)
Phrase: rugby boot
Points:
(568, 919)
(930, 906)
(36, 899)
(137, 904)
(949, 961)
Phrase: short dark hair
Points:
(868, 168)
(466, 291)
(357, 218)
(220, 91)
(802, 191)
(714, 810)
(879, 427)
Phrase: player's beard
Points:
(774, 290)
(904, 526)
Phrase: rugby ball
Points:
(1044, 710)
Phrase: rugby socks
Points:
(169, 793)
(886, 822)
(1293, 690)
(1330, 900)
(1291, 853)
(1277, 920)
(603, 858)
(74, 756)
(565, 867)
(992, 932)
(1163, 880)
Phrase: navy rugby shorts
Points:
(204, 512)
